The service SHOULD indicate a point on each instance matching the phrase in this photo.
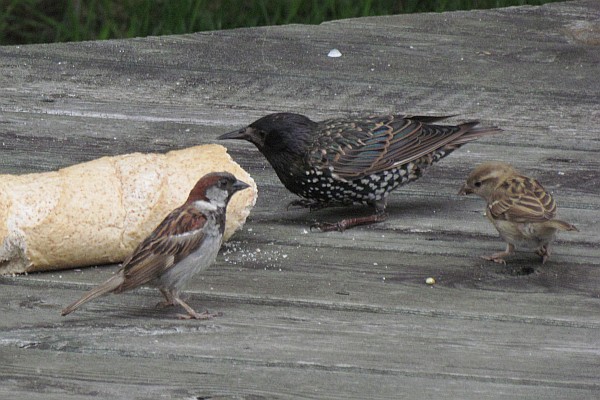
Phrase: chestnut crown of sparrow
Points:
(184, 243)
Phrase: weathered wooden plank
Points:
(384, 278)
(368, 346)
(330, 315)
(61, 377)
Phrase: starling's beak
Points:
(239, 185)
(237, 134)
(465, 190)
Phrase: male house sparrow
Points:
(185, 242)
(518, 206)
(352, 160)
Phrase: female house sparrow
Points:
(185, 242)
(518, 206)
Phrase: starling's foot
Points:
(344, 224)
(312, 205)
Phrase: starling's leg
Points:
(499, 257)
(544, 252)
(312, 205)
(348, 223)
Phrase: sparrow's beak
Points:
(465, 190)
(237, 134)
(239, 185)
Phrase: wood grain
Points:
(325, 315)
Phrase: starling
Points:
(519, 207)
(345, 161)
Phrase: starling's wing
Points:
(522, 199)
(355, 148)
(178, 235)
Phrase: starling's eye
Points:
(477, 184)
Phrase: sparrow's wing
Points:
(178, 235)
(522, 199)
(352, 149)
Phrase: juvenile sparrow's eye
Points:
(477, 184)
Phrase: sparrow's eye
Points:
(477, 184)
(222, 183)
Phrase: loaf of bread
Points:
(97, 212)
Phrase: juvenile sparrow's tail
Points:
(562, 225)
(107, 287)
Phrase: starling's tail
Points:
(467, 133)
(107, 287)
(562, 225)
(429, 118)
(471, 132)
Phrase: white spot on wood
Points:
(334, 53)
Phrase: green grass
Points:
(43, 21)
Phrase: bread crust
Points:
(97, 212)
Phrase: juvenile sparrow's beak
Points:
(465, 190)
(237, 134)
(239, 185)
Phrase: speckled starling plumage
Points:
(353, 160)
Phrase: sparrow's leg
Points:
(340, 226)
(192, 314)
(168, 299)
(544, 252)
(499, 257)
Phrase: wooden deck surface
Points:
(325, 315)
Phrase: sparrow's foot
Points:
(203, 315)
(191, 313)
(496, 257)
(164, 304)
(499, 257)
(168, 301)
(543, 252)
(344, 224)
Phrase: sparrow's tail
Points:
(562, 225)
(107, 287)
